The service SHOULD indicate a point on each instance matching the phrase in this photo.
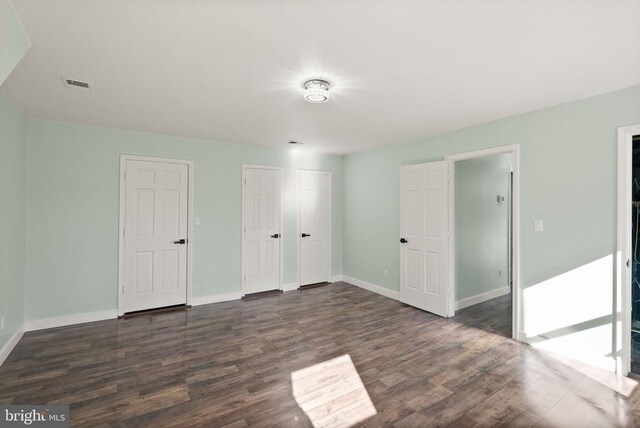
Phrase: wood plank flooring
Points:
(327, 356)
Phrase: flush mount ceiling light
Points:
(316, 91)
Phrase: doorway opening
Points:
(627, 301)
(484, 239)
(635, 258)
(483, 224)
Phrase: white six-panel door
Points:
(315, 226)
(155, 235)
(261, 229)
(423, 225)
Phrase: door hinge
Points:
(123, 289)
(124, 232)
(245, 181)
(125, 175)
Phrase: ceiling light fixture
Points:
(316, 91)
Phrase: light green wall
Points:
(13, 158)
(73, 204)
(482, 225)
(568, 179)
(14, 42)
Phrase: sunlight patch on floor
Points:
(615, 382)
(332, 394)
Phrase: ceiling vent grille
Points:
(76, 84)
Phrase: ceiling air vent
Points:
(76, 84)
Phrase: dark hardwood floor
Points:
(327, 356)
(493, 316)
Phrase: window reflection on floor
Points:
(332, 394)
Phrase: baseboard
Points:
(65, 320)
(392, 294)
(216, 298)
(290, 287)
(8, 347)
(483, 297)
(337, 278)
(522, 336)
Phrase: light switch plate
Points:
(538, 225)
(196, 221)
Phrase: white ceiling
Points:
(401, 70)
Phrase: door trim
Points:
(245, 167)
(299, 215)
(622, 300)
(122, 218)
(514, 150)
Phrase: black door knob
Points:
(277, 235)
(304, 235)
(403, 241)
(182, 241)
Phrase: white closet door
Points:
(315, 226)
(156, 204)
(261, 229)
(424, 236)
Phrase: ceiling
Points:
(401, 70)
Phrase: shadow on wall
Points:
(571, 313)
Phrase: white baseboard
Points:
(216, 298)
(483, 297)
(337, 278)
(290, 287)
(8, 347)
(392, 294)
(522, 336)
(64, 320)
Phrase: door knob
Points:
(403, 241)
(277, 235)
(182, 241)
(304, 235)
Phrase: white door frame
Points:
(299, 232)
(245, 167)
(122, 220)
(624, 252)
(514, 150)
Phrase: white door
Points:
(315, 226)
(424, 236)
(155, 234)
(261, 229)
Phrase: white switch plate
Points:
(386, 273)
(196, 221)
(538, 226)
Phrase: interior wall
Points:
(73, 194)
(568, 180)
(13, 182)
(482, 225)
